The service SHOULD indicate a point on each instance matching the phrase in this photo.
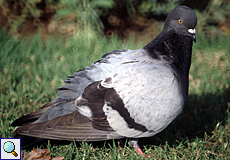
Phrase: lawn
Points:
(31, 70)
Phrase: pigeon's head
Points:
(182, 20)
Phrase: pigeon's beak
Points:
(192, 32)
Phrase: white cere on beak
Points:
(193, 31)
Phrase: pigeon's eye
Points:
(180, 21)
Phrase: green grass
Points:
(31, 70)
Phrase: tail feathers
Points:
(30, 118)
(27, 141)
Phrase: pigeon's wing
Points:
(77, 125)
(74, 87)
(61, 115)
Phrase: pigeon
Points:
(126, 94)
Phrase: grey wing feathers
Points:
(61, 119)
(75, 85)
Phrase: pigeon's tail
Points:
(27, 140)
(32, 117)
(26, 121)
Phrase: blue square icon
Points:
(10, 148)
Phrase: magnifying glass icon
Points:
(9, 147)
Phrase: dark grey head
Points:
(182, 20)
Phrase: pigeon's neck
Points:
(174, 49)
